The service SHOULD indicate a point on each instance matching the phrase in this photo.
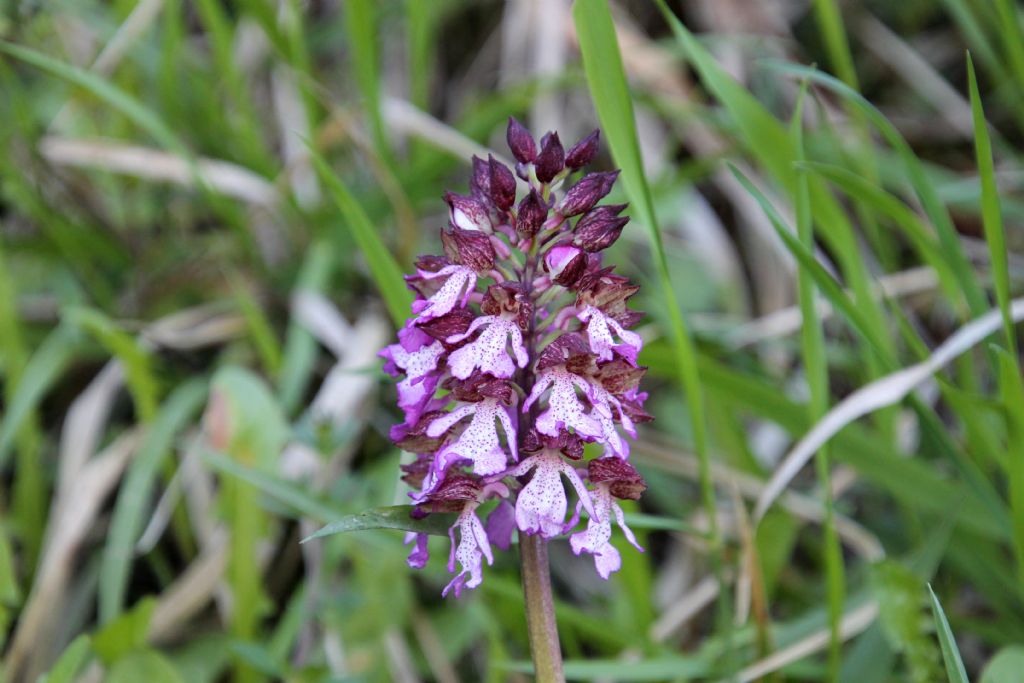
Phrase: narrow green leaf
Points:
(293, 496)
(104, 90)
(990, 211)
(47, 364)
(1012, 389)
(654, 669)
(130, 508)
(392, 517)
(385, 271)
(950, 653)
(362, 31)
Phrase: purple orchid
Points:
(501, 389)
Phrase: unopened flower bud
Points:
(502, 184)
(524, 149)
(551, 159)
(582, 196)
(599, 228)
(531, 214)
(583, 152)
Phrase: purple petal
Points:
(542, 504)
(420, 554)
(500, 525)
(490, 350)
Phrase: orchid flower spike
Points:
(520, 352)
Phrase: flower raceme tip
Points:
(501, 389)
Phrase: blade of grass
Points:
(812, 345)
(1012, 38)
(950, 653)
(361, 30)
(300, 347)
(1012, 390)
(129, 510)
(914, 169)
(45, 366)
(990, 211)
(385, 271)
(602, 63)
(136, 359)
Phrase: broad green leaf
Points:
(71, 660)
(1006, 666)
(901, 608)
(144, 666)
(391, 517)
(385, 271)
(955, 671)
(130, 508)
(125, 634)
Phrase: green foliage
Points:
(835, 183)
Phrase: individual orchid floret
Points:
(565, 264)
(417, 356)
(459, 283)
(541, 505)
(599, 333)
(490, 351)
(479, 442)
(523, 147)
(612, 478)
(468, 213)
(565, 409)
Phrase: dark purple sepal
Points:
(571, 350)
(622, 478)
(508, 300)
(449, 325)
(469, 247)
(414, 439)
(480, 180)
(585, 194)
(565, 264)
(619, 376)
(451, 493)
(480, 386)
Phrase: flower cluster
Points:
(519, 353)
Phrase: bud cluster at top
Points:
(519, 352)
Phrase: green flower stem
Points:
(540, 609)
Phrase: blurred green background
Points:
(202, 203)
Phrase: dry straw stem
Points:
(227, 178)
(883, 392)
